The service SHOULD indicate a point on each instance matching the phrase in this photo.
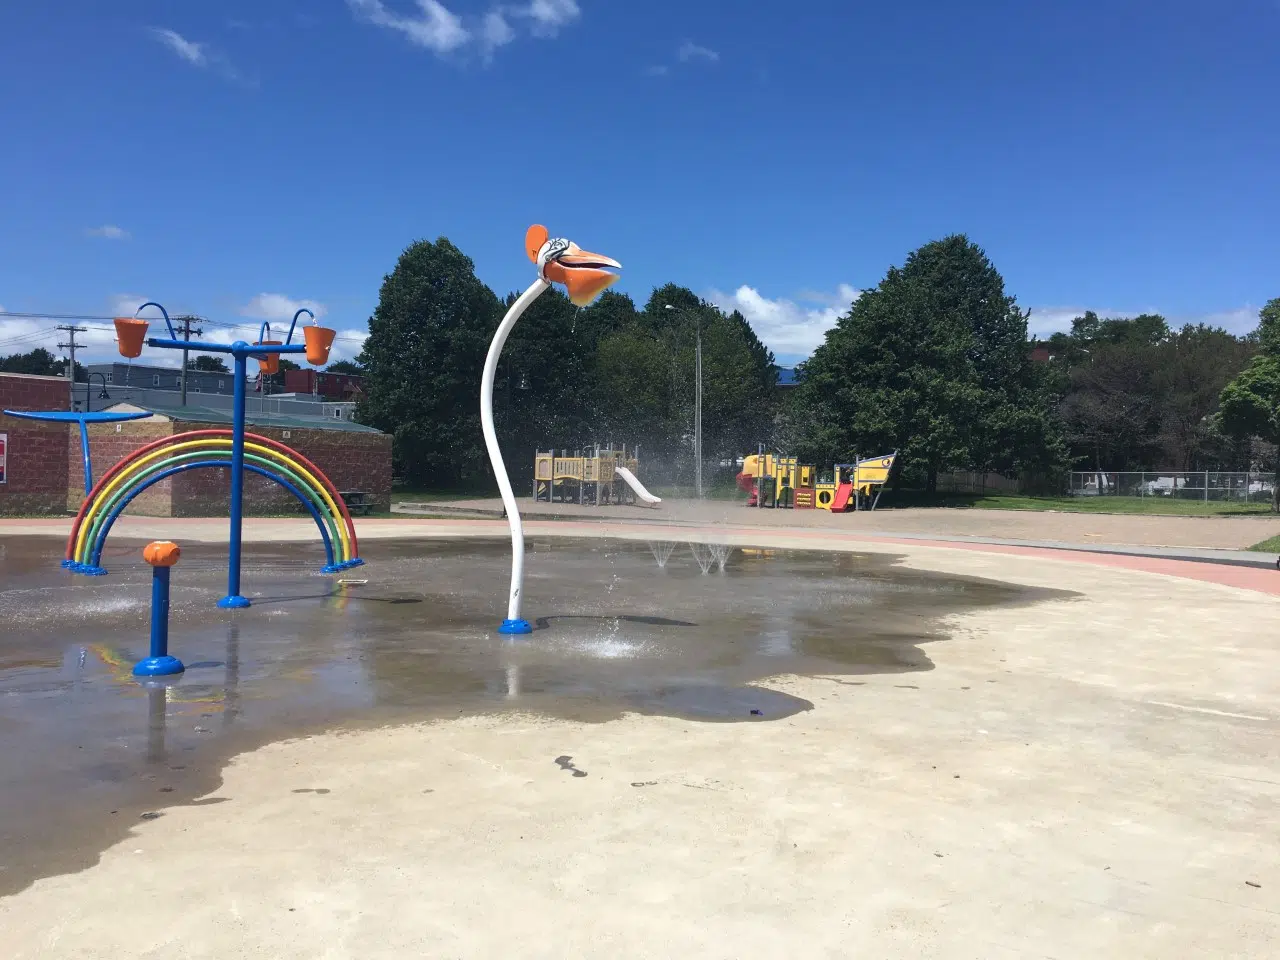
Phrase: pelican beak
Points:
(585, 275)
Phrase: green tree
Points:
(1250, 404)
(207, 363)
(39, 362)
(349, 367)
(934, 363)
(423, 361)
(543, 393)
(1191, 369)
(609, 313)
(738, 374)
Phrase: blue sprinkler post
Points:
(161, 555)
(233, 600)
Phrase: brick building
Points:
(354, 457)
(36, 455)
(331, 386)
(44, 469)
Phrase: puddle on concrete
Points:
(88, 751)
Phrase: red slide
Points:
(843, 493)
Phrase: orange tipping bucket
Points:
(130, 334)
(318, 340)
(268, 363)
(161, 553)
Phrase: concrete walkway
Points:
(1088, 777)
(1227, 532)
(1251, 571)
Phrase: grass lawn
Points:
(1155, 506)
(1270, 545)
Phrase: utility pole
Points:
(186, 335)
(697, 405)
(71, 330)
(697, 418)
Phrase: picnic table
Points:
(357, 501)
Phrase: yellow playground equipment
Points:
(778, 481)
(598, 475)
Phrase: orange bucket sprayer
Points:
(130, 335)
(319, 341)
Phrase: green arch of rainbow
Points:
(200, 447)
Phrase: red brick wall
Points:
(353, 461)
(36, 474)
(108, 444)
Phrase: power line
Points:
(103, 320)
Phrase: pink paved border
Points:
(1257, 579)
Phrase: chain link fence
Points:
(1206, 485)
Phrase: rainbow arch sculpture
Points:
(198, 449)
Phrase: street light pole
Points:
(697, 405)
(88, 402)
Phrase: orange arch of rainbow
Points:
(210, 448)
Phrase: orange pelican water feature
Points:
(585, 276)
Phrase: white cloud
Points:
(193, 53)
(495, 32)
(126, 305)
(440, 30)
(198, 55)
(276, 306)
(690, 51)
(658, 70)
(785, 326)
(548, 16)
(107, 231)
(436, 28)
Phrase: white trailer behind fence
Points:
(1240, 487)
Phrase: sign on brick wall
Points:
(4, 455)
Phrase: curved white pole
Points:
(513, 623)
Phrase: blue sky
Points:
(235, 158)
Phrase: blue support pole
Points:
(233, 600)
(159, 663)
(84, 450)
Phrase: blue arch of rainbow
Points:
(199, 449)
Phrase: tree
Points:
(1251, 402)
(1191, 369)
(349, 367)
(738, 373)
(542, 394)
(423, 361)
(39, 362)
(207, 363)
(933, 363)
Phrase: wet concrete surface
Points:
(89, 751)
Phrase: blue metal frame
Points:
(94, 567)
(65, 416)
(240, 353)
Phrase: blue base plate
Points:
(233, 603)
(158, 667)
(515, 626)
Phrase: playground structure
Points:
(585, 276)
(218, 449)
(600, 476)
(773, 480)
